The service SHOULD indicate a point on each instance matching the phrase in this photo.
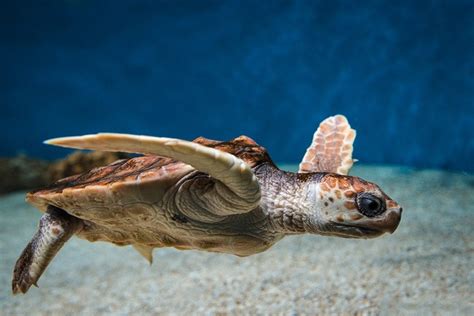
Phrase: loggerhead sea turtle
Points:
(216, 196)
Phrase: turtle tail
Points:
(55, 228)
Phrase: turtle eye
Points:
(370, 205)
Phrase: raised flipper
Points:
(55, 228)
(237, 187)
(331, 148)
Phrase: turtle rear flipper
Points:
(55, 228)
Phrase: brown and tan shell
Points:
(127, 181)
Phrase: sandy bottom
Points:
(425, 267)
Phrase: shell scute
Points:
(134, 180)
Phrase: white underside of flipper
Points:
(230, 170)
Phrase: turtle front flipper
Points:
(331, 148)
(55, 228)
(236, 190)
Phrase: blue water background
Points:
(401, 71)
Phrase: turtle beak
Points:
(374, 227)
(387, 223)
(390, 223)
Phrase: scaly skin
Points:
(55, 228)
(323, 204)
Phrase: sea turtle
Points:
(209, 195)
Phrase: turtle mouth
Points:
(371, 228)
(358, 231)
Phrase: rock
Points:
(22, 172)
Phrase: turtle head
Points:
(353, 208)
